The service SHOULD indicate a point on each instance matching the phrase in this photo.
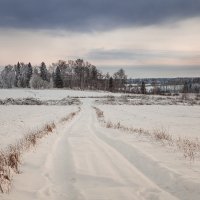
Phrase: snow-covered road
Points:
(85, 161)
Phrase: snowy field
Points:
(52, 94)
(176, 120)
(15, 121)
(87, 161)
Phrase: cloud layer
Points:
(145, 57)
(120, 54)
(92, 15)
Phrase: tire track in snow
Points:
(59, 169)
(82, 163)
(101, 172)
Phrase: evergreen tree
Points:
(29, 74)
(58, 82)
(43, 72)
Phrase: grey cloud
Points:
(127, 54)
(91, 15)
(101, 54)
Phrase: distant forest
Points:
(76, 74)
(82, 75)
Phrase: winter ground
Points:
(177, 120)
(89, 162)
(52, 94)
(16, 121)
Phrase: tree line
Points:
(73, 74)
(190, 85)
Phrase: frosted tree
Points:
(120, 79)
(73, 74)
(79, 72)
(8, 77)
(25, 75)
(36, 82)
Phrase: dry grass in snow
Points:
(139, 99)
(189, 147)
(10, 158)
(70, 116)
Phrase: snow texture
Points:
(85, 161)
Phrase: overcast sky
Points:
(148, 37)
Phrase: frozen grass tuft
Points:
(162, 136)
(189, 147)
(109, 124)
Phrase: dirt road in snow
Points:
(82, 163)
